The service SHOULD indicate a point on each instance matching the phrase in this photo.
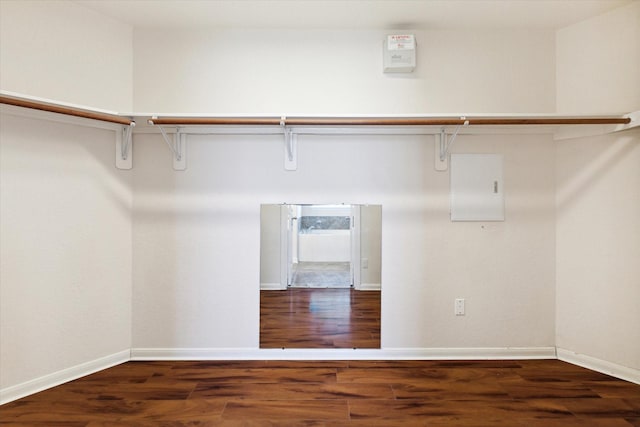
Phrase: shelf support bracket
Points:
(441, 162)
(124, 145)
(290, 147)
(178, 147)
(443, 145)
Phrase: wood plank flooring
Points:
(338, 393)
(319, 318)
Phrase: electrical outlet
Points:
(459, 306)
(365, 262)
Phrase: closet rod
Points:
(69, 111)
(390, 121)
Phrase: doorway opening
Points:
(320, 242)
(326, 292)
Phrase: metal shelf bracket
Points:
(290, 146)
(178, 147)
(443, 145)
(124, 147)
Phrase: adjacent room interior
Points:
(354, 183)
(320, 276)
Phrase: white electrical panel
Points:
(399, 53)
(477, 188)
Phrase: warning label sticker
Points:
(401, 42)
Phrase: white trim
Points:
(36, 385)
(271, 287)
(444, 115)
(376, 130)
(585, 131)
(619, 371)
(285, 246)
(355, 235)
(369, 287)
(499, 353)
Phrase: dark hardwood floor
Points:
(319, 318)
(360, 393)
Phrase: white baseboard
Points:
(506, 353)
(369, 287)
(599, 365)
(36, 385)
(271, 287)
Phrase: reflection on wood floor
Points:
(532, 393)
(319, 318)
(321, 275)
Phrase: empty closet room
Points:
(141, 141)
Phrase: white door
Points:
(286, 250)
(355, 246)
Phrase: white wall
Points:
(598, 193)
(66, 52)
(598, 247)
(325, 246)
(270, 245)
(340, 72)
(65, 249)
(196, 234)
(324, 210)
(197, 238)
(371, 244)
(598, 64)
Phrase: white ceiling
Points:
(353, 14)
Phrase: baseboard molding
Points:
(36, 385)
(271, 287)
(599, 365)
(506, 353)
(369, 287)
